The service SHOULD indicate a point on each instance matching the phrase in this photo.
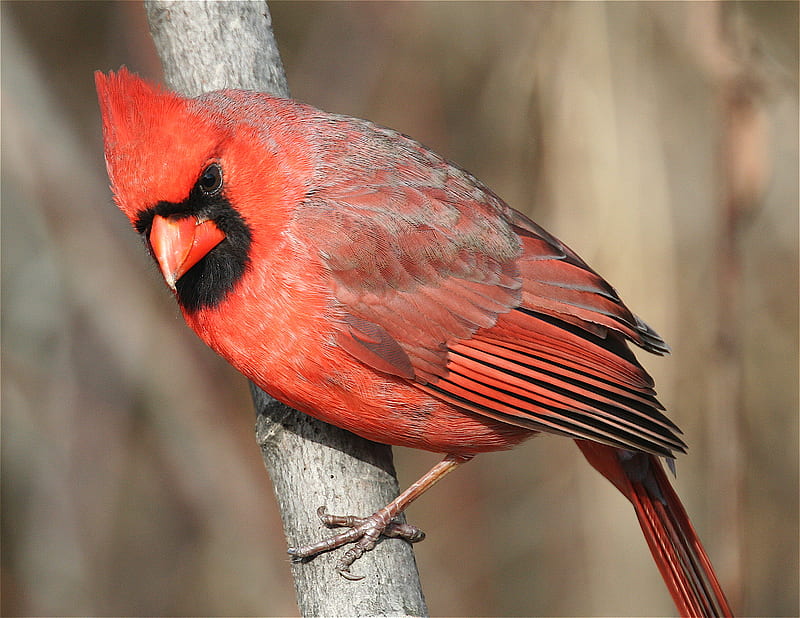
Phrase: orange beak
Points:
(179, 243)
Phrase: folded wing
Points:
(439, 282)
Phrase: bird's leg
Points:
(365, 531)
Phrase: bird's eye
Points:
(210, 182)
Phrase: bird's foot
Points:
(364, 532)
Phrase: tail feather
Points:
(675, 546)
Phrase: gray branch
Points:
(211, 45)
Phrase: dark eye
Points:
(210, 182)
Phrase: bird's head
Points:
(197, 178)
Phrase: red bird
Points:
(359, 277)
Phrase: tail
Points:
(676, 549)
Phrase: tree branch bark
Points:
(211, 45)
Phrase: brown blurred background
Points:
(660, 140)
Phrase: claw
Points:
(348, 575)
(364, 532)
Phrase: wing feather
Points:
(436, 280)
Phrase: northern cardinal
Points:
(359, 277)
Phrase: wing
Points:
(438, 281)
(410, 287)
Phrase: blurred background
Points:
(660, 140)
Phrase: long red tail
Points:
(676, 549)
